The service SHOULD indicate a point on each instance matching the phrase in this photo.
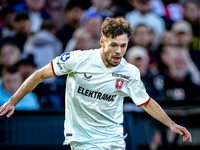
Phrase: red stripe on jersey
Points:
(52, 68)
(145, 102)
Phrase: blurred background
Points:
(165, 46)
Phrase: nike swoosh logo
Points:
(87, 77)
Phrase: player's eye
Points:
(123, 46)
(113, 45)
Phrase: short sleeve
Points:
(137, 90)
(66, 63)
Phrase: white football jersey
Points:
(94, 95)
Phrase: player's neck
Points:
(104, 60)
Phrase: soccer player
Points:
(97, 82)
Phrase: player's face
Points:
(113, 50)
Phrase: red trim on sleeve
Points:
(52, 68)
(145, 102)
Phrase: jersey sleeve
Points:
(137, 90)
(66, 63)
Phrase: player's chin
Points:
(114, 64)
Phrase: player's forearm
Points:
(28, 85)
(154, 109)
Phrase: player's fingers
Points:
(10, 113)
(3, 111)
(190, 139)
(184, 138)
(186, 135)
(7, 108)
(2, 108)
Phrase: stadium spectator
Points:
(36, 12)
(11, 81)
(141, 37)
(142, 14)
(169, 39)
(9, 55)
(44, 45)
(121, 8)
(3, 5)
(93, 25)
(169, 10)
(138, 56)
(183, 31)
(153, 42)
(73, 13)
(81, 40)
(178, 82)
(56, 8)
(7, 29)
(168, 42)
(165, 52)
(26, 67)
(100, 7)
(192, 15)
(23, 31)
(164, 58)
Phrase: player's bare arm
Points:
(154, 109)
(28, 85)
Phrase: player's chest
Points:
(110, 82)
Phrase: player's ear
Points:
(102, 42)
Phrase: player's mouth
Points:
(116, 59)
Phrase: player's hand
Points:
(7, 107)
(183, 132)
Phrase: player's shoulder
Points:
(130, 69)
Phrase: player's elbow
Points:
(39, 76)
(45, 73)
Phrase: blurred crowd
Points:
(165, 45)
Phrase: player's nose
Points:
(118, 50)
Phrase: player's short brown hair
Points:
(113, 27)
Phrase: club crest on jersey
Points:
(119, 83)
(64, 57)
